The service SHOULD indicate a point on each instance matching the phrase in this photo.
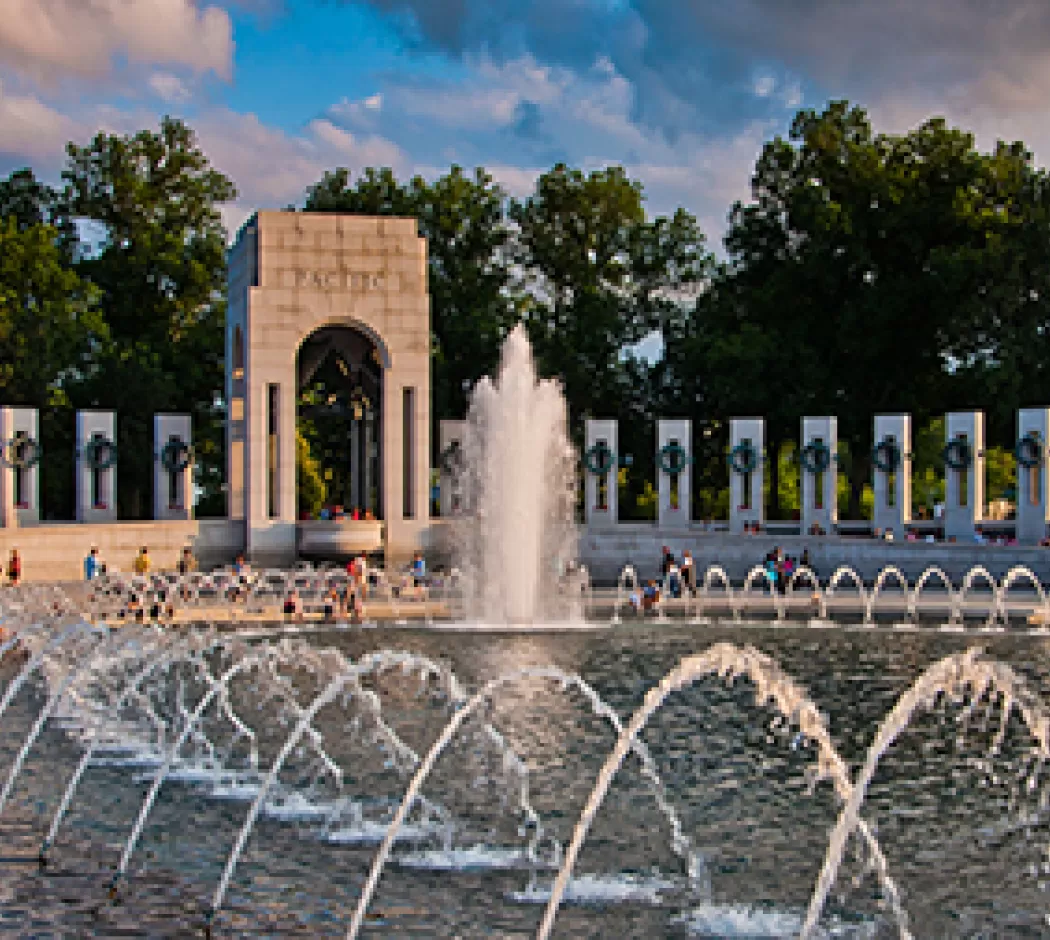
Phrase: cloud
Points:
(32, 130)
(272, 168)
(169, 87)
(697, 66)
(85, 37)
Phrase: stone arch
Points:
(349, 323)
(340, 367)
(291, 275)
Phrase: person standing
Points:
(14, 568)
(688, 572)
(187, 563)
(92, 564)
(141, 564)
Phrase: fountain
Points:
(315, 741)
(518, 535)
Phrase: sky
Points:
(683, 94)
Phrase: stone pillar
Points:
(1033, 505)
(96, 466)
(891, 473)
(172, 467)
(963, 486)
(368, 461)
(237, 455)
(451, 479)
(19, 467)
(674, 484)
(747, 438)
(601, 489)
(356, 477)
(818, 473)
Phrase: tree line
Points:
(866, 272)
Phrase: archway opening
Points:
(339, 425)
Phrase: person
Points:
(187, 563)
(92, 565)
(419, 569)
(688, 572)
(668, 560)
(674, 581)
(650, 596)
(292, 609)
(14, 568)
(142, 563)
(330, 602)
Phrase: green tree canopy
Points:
(161, 276)
(597, 276)
(855, 278)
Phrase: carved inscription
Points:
(340, 280)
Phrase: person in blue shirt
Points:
(92, 565)
(419, 569)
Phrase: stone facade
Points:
(291, 274)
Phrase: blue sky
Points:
(683, 94)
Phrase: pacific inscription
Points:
(340, 280)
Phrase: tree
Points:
(310, 486)
(161, 276)
(50, 330)
(597, 276)
(852, 271)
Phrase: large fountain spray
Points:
(518, 534)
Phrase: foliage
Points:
(160, 272)
(858, 277)
(597, 276)
(310, 487)
(50, 323)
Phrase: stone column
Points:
(96, 485)
(19, 467)
(1033, 506)
(368, 461)
(270, 482)
(356, 490)
(674, 484)
(601, 489)
(236, 416)
(818, 473)
(964, 486)
(451, 467)
(747, 438)
(172, 489)
(891, 473)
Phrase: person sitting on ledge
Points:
(356, 515)
(292, 608)
(650, 596)
(635, 601)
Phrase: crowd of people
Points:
(678, 577)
